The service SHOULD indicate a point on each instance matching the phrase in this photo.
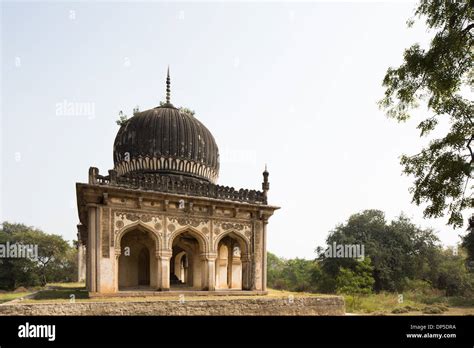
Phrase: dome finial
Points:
(168, 83)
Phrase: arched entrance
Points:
(232, 263)
(137, 265)
(186, 266)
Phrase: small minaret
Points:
(265, 183)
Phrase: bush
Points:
(419, 286)
(435, 309)
(400, 310)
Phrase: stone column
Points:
(246, 271)
(81, 262)
(163, 270)
(117, 254)
(209, 269)
(93, 250)
(264, 255)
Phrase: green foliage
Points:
(357, 282)
(468, 243)
(399, 257)
(436, 75)
(56, 258)
(274, 271)
(399, 310)
(434, 309)
(293, 275)
(398, 250)
(419, 286)
(453, 277)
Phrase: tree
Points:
(274, 268)
(298, 274)
(452, 275)
(55, 260)
(294, 274)
(468, 241)
(356, 282)
(51, 249)
(399, 250)
(437, 76)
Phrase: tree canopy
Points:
(398, 256)
(441, 78)
(399, 250)
(56, 259)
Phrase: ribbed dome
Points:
(166, 140)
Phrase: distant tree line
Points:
(398, 256)
(56, 259)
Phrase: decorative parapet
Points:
(176, 185)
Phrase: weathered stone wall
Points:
(298, 306)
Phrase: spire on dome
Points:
(168, 83)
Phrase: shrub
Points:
(435, 309)
(399, 310)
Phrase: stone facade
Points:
(108, 213)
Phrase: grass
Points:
(61, 293)
(10, 296)
(414, 303)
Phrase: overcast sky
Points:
(291, 85)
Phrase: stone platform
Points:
(176, 293)
(298, 306)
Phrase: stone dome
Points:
(165, 140)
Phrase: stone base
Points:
(176, 293)
(330, 305)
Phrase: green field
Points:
(10, 296)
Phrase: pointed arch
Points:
(133, 226)
(239, 237)
(200, 237)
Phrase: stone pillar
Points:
(117, 254)
(81, 262)
(246, 271)
(93, 250)
(163, 270)
(209, 270)
(264, 256)
(236, 280)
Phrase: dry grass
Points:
(413, 304)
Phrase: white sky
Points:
(293, 85)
